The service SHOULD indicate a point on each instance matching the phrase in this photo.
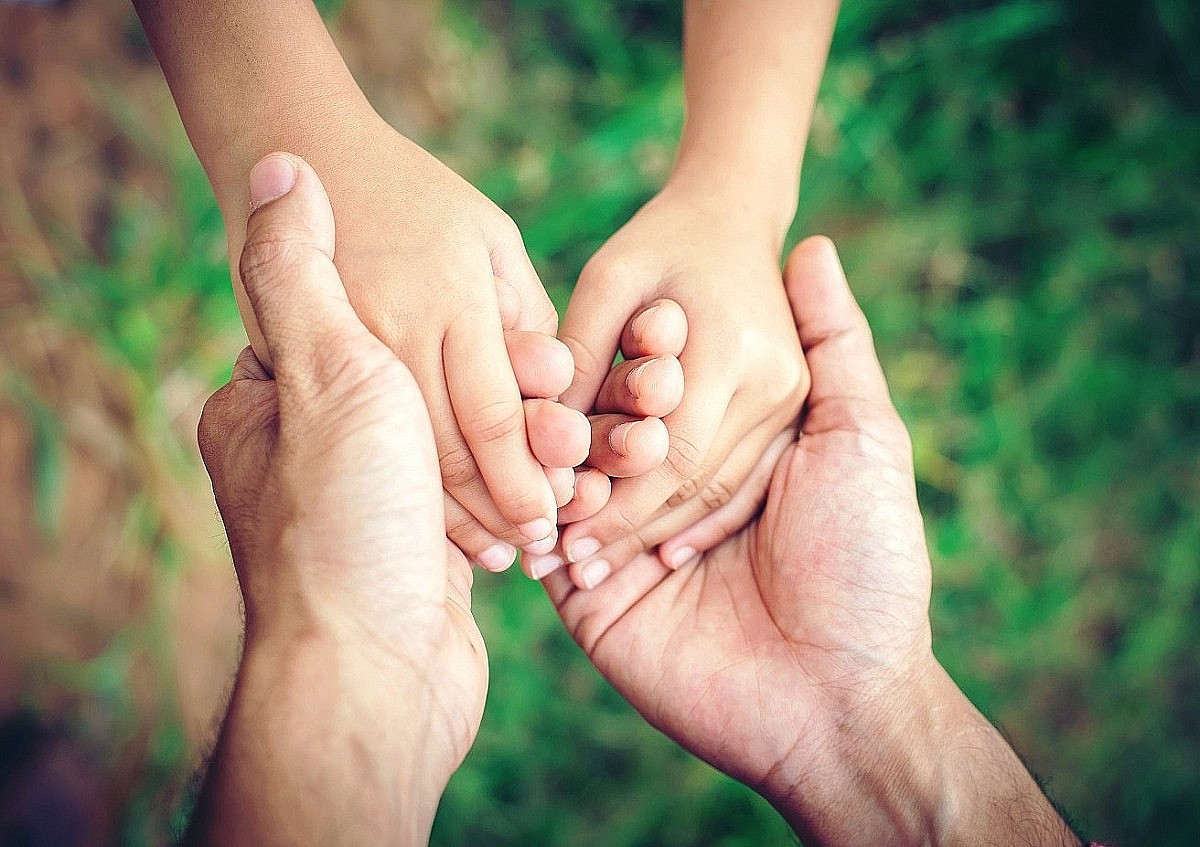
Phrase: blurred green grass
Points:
(1015, 191)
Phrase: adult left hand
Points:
(744, 374)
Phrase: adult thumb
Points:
(287, 266)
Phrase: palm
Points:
(747, 654)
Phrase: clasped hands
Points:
(359, 635)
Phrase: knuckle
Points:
(271, 255)
(683, 463)
(458, 467)
(715, 495)
(461, 528)
(606, 273)
(213, 425)
(585, 361)
(507, 230)
(495, 422)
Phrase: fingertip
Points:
(559, 436)
(660, 329)
(562, 483)
(643, 442)
(657, 385)
(592, 491)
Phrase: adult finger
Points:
(692, 430)
(287, 271)
(717, 526)
(833, 330)
(715, 491)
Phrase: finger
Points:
(659, 329)
(558, 435)
(247, 366)
(716, 491)
(541, 363)
(287, 270)
(692, 431)
(592, 490)
(487, 405)
(462, 478)
(717, 526)
(833, 330)
(623, 448)
(562, 483)
(649, 386)
(592, 328)
(531, 309)
(476, 543)
(591, 493)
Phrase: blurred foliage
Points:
(1014, 189)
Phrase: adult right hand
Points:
(796, 656)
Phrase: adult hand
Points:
(364, 674)
(796, 656)
(745, 377)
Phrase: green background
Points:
(1015, 191)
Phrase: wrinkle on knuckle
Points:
(458, 467)
(213, 425)
(494, 422)
(584, 360)
(715, 495)
(683, 463)
(272, 255)
(461, 528)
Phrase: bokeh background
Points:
(1015, 189)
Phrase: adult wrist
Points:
(920, 767)
(877, 777)
(353, 724)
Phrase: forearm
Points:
(319, 747)
(751, 74)
(931, 772)
(250, 78)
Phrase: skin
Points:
(796, 655)
(710, 241)
(364, 675)
(432, 267)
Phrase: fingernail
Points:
(270, 179)
(581, 548)
(618, 435)
(542, 546)
(537, 530)
(539, 566)
(632, 378)
(595, 573)
(680, 556)
(498, 557)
